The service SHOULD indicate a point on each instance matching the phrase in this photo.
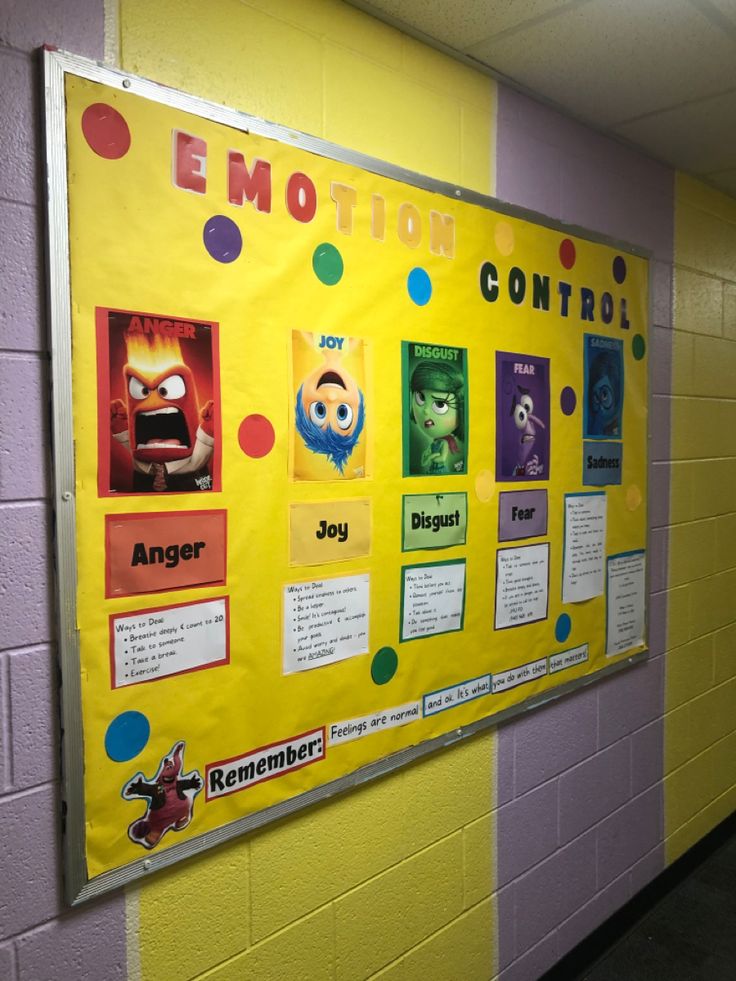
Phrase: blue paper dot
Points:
(127, 736)
(562, 628)
(420, 286)
(222, 238)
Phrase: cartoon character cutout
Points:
(527, 424)
(330, 411)
(438, 410)
(604, 387)
(161, 432)
(170, 794)
(522, 417)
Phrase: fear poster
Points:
(522, 417)
(330, 412)
(435, 409)
(604, 387)
(158, 404)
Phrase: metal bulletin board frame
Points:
(56, 67)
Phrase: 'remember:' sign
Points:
(265, 763)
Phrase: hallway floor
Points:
(680, 928)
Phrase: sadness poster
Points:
(158, 404)
(604, 387)
(331, 414)
(522, 417)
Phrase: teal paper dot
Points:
(327, 264)
(638, 346)
(127, 736)
(563, 628)
(420, 286)
(384, 665)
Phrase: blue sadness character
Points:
(604, 395)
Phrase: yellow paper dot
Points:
(633, 497)
(484, 485)
(504, 237)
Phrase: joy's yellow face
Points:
(330, 398)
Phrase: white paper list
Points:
(585, 547)
(325, 621)
(154, 644)
(522, 583)
(625, 611)
(434, 599)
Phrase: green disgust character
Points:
(438, 410)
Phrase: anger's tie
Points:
(159, 477)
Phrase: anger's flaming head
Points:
(161, 399)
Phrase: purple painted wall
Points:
(580, 820)
(39, 941)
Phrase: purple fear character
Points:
(526, 423)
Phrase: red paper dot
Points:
(106, 131)
(256, 436)
(567, 253)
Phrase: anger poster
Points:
(158, 404)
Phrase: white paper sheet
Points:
(325, 621)
(522, 585)
(585, 547)
(626, 606)
(434, 599)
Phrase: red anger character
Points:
(169, 436)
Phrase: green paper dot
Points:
(384, 665)
(638, 346)
(327, 264)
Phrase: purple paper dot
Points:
(222, 238)
(568, 400)
(619, 269)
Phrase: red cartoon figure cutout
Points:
(158, 404)
(170, 796)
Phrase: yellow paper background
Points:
(136, 244)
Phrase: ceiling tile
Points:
(725, 7)
(699, 136)
(462, 23)
(609, 62)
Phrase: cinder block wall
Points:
(38, 939)
(580, 819)
(700, 724)
(520, 842)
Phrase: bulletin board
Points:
(350, 464)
